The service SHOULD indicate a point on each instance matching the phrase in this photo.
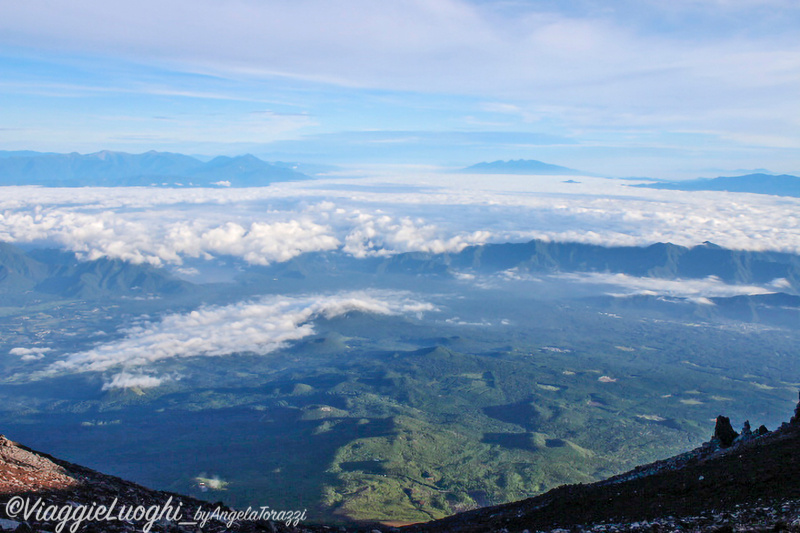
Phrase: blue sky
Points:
(628, 88)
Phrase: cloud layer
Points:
(255, 327)
(386, 213)
(698, 290)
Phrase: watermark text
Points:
(69, 517)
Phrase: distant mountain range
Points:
(521, 166)
(116, 169)
(660, 260)
(781, 185)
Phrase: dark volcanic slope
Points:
(753, 484)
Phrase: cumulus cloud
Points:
(384, 235)
(110, 234)
(29, 354)
(257, 327)
(188, 272)
(260, 243)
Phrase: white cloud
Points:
(189, 272)
(514, 274)
(699, 290)
(258, 327)
(261, 243)
(150, 240)
(387, 212)
(207, 228)
(652, 418)
(780, 283)
(124, 380)
(29, 354)
(376, 234)
(458, 321)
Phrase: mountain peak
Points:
(103, 154)
(519, 166)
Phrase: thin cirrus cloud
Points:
(405, 44)
(255, 327)
(614, 73)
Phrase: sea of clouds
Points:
(386, 213)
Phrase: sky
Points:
(674, 89)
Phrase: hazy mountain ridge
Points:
(521, 166)
(63, 274)
(18, 268)
(115, 169)
(661, 260)
(759, 183)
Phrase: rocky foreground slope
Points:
(747, 482)
(736, 482)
